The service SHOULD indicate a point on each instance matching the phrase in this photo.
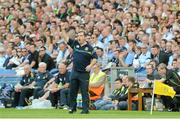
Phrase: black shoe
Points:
(71, 111)
(85, 112)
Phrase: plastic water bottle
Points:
(79, 101)
(1, 105)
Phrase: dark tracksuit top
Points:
(82, 56)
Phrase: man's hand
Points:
(64, 35)
(121, 56)
(147, 80)
(53, 90)
(93, 62)
(88, 68)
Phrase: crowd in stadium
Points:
(143, 34)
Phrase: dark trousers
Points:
(54, 97)
(173, 103)
(79, 80)
(25, 94)
(38, 92)
(64, 96)
(16, 99)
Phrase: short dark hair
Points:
(118, 22)
(43, 47)
(156, 46)
(131, 79)
(119, 79)
(33, 44)
(175, 59)
(99, 48)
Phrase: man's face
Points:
(168, 46)
(143, 49)
(17, 40)
(24, 52)
(99, 52)
(42, 68)
(175, 64)
(81, 38)
(154, 51)
(27, 69)
(62, 68)
(149, 69)
(62, 46)
(42, 51)
(162, 71)
(32, 48)
(117, 84)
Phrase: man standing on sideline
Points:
(84, 57)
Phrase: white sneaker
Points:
(65, 107)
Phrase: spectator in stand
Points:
(159, 56)
(176, 66)
(44, 57)
(143, 58)
(33, 56)
(2, 56)
(25, 58)
(102, 59)
(15, 59)
(151, 74)
(125, 57)
(63, 53)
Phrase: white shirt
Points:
(2, 60)
(62, 55)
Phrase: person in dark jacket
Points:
(35, 89)
(151, 74)
(172, 79)
(84, 58)
(123, 104)
(44, 57)
(25, 82)
(159, 56)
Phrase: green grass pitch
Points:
(94, 114)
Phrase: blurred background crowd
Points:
(124, 33)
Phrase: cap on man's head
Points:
(122, 49)
(98, 48)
